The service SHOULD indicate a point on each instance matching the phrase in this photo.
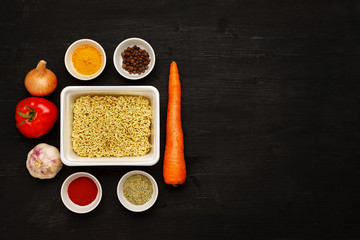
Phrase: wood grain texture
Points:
(270, 114)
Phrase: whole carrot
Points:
(174, 171)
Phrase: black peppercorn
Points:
(135, 60)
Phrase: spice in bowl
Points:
(138, 189)
(82, 191)
(87, 60)
(135, 60)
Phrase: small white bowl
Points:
(126, 203)
(68, 59)
(72, 206)
(130, 42)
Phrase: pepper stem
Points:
(30, 116)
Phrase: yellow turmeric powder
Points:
(87, 60)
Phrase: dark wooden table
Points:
(270, 112)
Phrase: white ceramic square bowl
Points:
(68, 98)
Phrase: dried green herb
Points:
(138, 189)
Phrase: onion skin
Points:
(40, 81)
(43, 161)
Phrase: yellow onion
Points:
(40, 81)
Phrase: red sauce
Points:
(82, 191)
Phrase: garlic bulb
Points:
(43, 161)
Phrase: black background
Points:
(270, 112)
